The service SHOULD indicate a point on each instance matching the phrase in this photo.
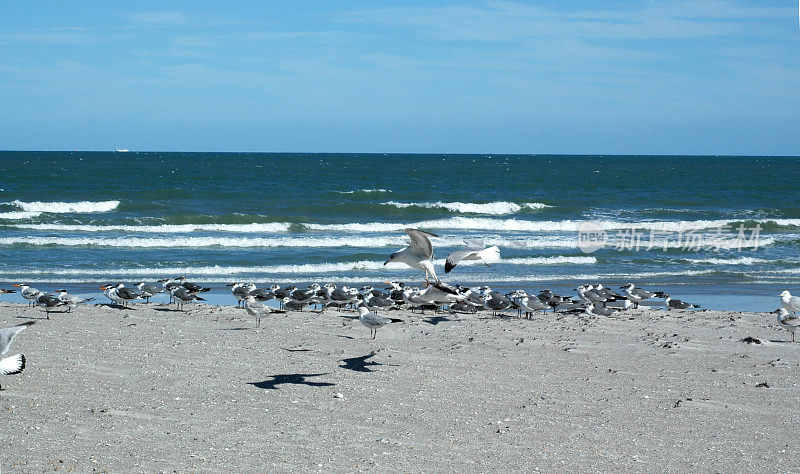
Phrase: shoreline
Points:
(149, 389)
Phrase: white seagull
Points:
(16, 363)
(476, 250)
(374, 321)
(792, 303)
(257, 309)
(418, 254)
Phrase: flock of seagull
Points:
(591, 299)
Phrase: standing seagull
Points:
(31, 294)
(374, 321)
(418, 254)
(48, 302)
(788, 321)
(476, 250)
(148, 290)
(257, 309)
(71, 301)
(126, 294)
(182, 296)
(16, 363)
(636, 294)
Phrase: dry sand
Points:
(201, 390)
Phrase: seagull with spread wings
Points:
(476, 250)
(418, 254)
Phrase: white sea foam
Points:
(729, 261)
(166, 228)
(66, 207)
(396, 241)
(13, 215)
(379, 190)
(496, 208)
(453, 223)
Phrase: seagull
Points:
(476, 250)
(111, 293)
(496, 302)
(418, 254)
(792, 303)
(16, 363)
(588, 295)
(378, 302)
(528, 304)
(126, 294)
(787, 320)
(48, 302)
(183, 296)
(240, 292)
(374, 321)
(169, 284)
(636, 294)
(71, 301)
(148, 290)
(396, 291)
(4, 291)
(191, 287)
(593, 310)
(677, 304)
(257, 309)
(28, 293)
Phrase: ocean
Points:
(720, 231)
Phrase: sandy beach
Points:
(152, 389)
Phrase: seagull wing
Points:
(7, 335)
(420, 241)
(12, 365)
(475, 244)
(490, 254)
(455, 257)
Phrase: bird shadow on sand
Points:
(346, 337)
(291, 379)
(237, 329)
(168, 310)
(434, 320)
(115, 306)
(500, 316)
(31, 317)
(361, 364)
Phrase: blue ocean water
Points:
(702, 227)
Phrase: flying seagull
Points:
(476, 250)
(418, 254)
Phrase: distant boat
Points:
(121, 150)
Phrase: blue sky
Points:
(644, 77)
